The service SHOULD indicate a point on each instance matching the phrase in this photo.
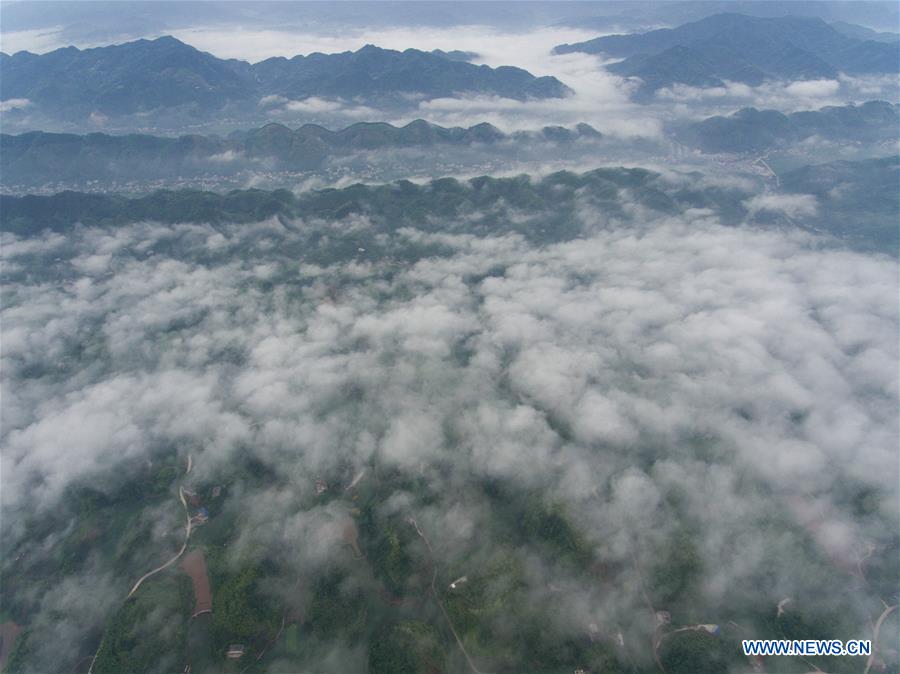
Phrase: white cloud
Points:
(274, 99)
(813, 88)
(14, 104)
(660, 378)
(313, 104)
(784, 95)
(792, 205)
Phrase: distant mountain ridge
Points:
(38, 157)
(739, 48)
(859, 203)
(863, 33)
(642, 17)
(391, 205)
(146, 75)
(859, 197)
(458, 55)
(752, 130)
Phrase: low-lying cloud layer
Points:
(785, 96)
(666, 377)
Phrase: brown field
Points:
(195, 566)
(9, 632)
(350, 536)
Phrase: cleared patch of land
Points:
(194, 565)
(9, 632)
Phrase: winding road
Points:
(657, 640)
(437, 598)
(187, 535)
(884, 614)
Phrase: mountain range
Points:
(644, 16)
(38, 157)
(863, 33)
(391, 206)
(739, 48)
(857, 201)
(144, 76)
(752, 130)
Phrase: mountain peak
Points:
(738, 48)
(161, 42)
(165, 73)
(168, 39)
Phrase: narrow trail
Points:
(884, 614)
(187, 535)
(812, 665)
(268, 645)
(437, 597)
(656, 639)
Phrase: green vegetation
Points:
(406, 648)
(695, 652)
(549, 524)
(863, 211)
(752, 130)
(676, 573)
(240, 613)
(292, 639)
(494, 591)
(857, 199)
(390, 206)
(526, 516)
(337, 607)
(36, 158)
(391, 557)
(201, 653)
(148, 633)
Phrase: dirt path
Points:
(268, 645)
(437, 598)
(656, 638)
(887, 611)
(187, 535)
